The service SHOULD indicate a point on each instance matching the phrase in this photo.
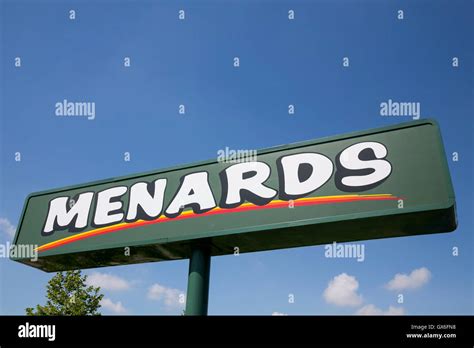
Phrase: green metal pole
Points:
(198, 281)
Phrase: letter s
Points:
(362, 166)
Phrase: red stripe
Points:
(216, 212)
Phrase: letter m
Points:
(59, 216)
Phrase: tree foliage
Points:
(68, 294)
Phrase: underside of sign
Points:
(381, 183)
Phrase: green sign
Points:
(387, 182)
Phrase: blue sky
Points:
(190, 62)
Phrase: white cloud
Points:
(116, 307)
(416, 279)
(107, 281)
(342, 291)
(7, 227)
(278, 313)
(370, 309)
(170, 297)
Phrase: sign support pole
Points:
(198, 280)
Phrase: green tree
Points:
(68, 294)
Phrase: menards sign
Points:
(380, 183)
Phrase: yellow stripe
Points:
(189, 212)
